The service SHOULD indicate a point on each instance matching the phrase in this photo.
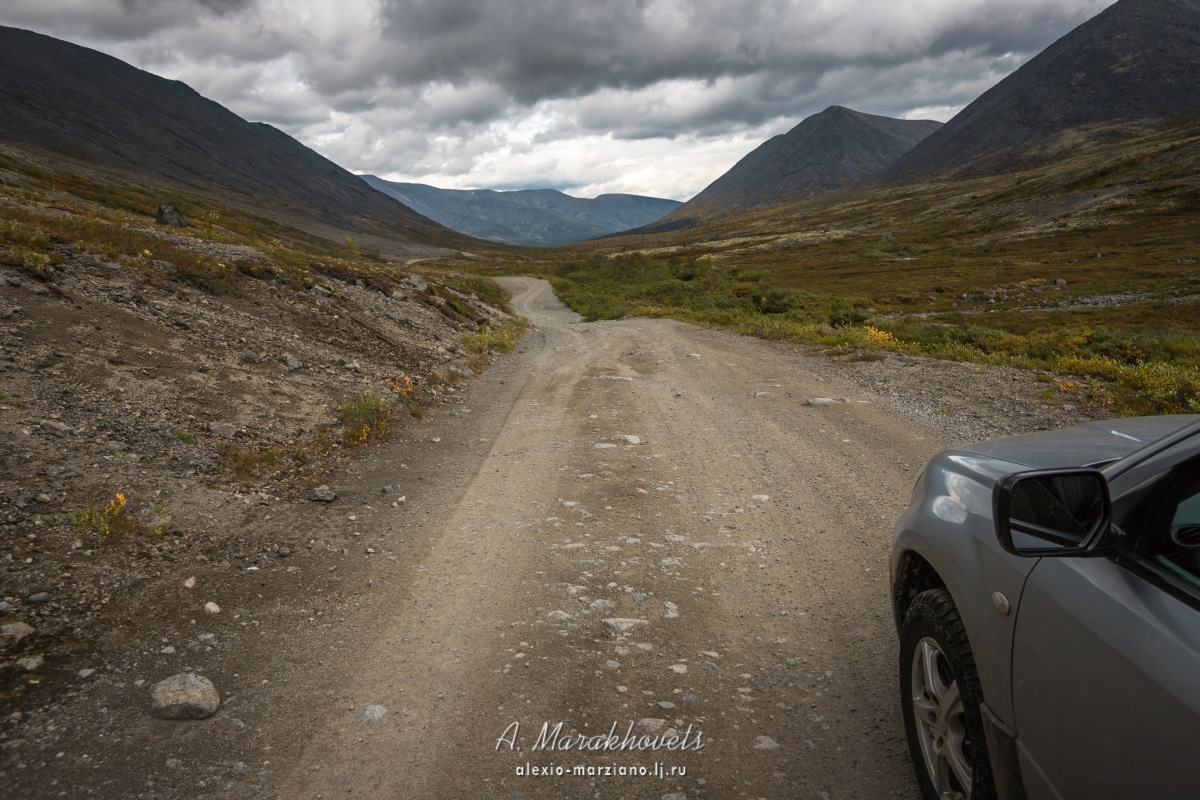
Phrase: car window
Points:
(1175, 546)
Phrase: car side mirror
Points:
(1052, 512)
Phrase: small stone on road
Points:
(185, 696)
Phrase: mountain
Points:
(834, 149)
(1135, 59)
(60, 99)
(527, 217)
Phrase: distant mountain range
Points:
(61, 99)
(834, 149)
(529, 216)
(1135, 59)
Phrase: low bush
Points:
(366, 418)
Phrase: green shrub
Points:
(366, 418)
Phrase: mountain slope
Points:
(67, 100)
(830, 150)
(527, 217)
(1136, 59)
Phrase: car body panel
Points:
(1091, 643)
(1090, 443)
(949, 523)
(1106, 690)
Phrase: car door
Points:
(1106, 656)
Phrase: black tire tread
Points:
(934, 612)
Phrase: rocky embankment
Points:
(142, 423)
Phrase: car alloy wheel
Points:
(939, 716)
(940, 697)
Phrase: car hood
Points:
(1092, 443)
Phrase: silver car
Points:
(1047, 594)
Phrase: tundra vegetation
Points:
(49, 215)
(1084, 263)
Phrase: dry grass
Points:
(998, 270)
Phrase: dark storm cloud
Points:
(114, 20)
(608, 95)
(223, 7)
(539, 49)
(220, 7)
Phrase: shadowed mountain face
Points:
(1136, 59)
(69, 100)
(528, 217)
(831, 150)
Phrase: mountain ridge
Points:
(66, 100)
(1135, 59)
(831, 150)
(538, 217)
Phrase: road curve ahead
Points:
(660, 543)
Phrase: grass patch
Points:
(1133, 370)
(366, 418)
(1081, 260)
(114, 521)
(247, 463)
(488, 341)
(115, 221)
(296, 465)
(486, 290)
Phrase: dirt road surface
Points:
(674, 480)
(635, 529)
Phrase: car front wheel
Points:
(940, 695)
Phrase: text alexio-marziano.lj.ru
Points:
(553, 740)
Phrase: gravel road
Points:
(672, 480)
(637, 532)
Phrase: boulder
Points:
(185, 696)
(170, 216)
(323, 494)
(622, 624)
(13, 632)
(225, 430)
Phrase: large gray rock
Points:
(185, 696)
(225, 430)
(31, 663)
(55, 427)
(622, 624)
(323, 494)
(13, 632)
(170, 216)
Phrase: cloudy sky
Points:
(655, 97)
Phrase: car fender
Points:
(949, 525)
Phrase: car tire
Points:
(940, 696)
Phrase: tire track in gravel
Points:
(746, 531)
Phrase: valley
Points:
(417, 477)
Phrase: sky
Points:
(651, 97)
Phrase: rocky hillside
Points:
(1136, 59)
(77, 107)
(152, 414)
(537, 217)
(831, 150)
